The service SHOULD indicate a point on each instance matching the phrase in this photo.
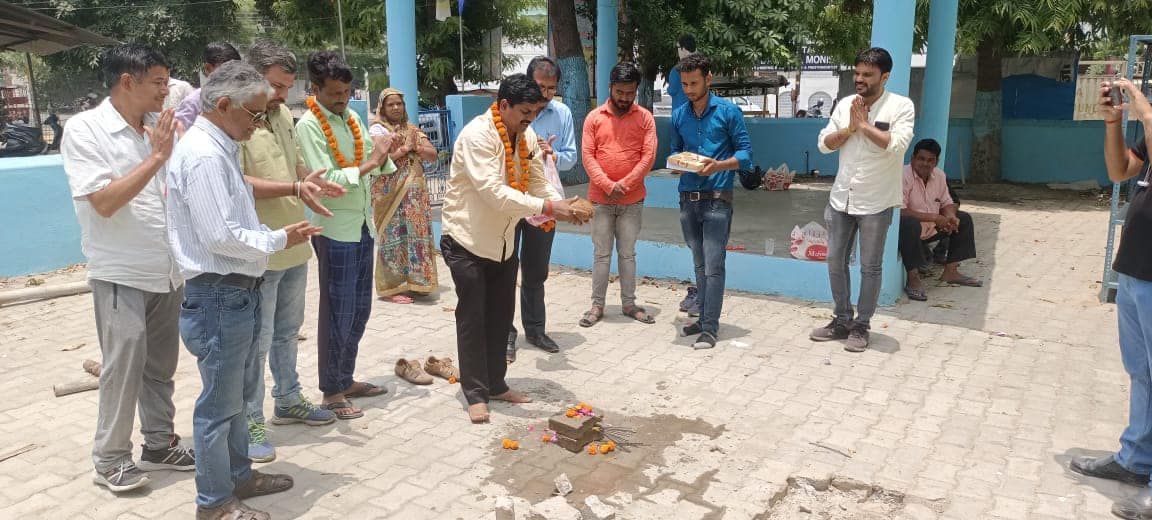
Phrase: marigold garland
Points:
(354, 127)
(521, 150)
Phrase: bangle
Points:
(296, 188)
(548, 207)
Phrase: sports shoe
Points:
(857, 340)
(410, 371)
(259, 447)
(233, 509)
(174, 457)
(706, 340)
(691, 330)
(122, 477)
(303, 412)
(689, 300)
(441, 367)
(833, 330)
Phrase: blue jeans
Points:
(220, 325)
(842, 229)
(281, 315)
(1134, 313)
(706, 224)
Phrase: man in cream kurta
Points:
(480, 213)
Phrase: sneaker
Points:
(694, 309)
(174, 457)
(303, 412)
(691, 330)
(122, 477)
(259, 447)
(857, 340)
(411, 371)
(706, 340)
(687, 302)
(832, 331)
(233, 509)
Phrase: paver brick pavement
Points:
(969, 405)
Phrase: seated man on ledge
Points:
(929, 215)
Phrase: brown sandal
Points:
(638, 313)
(262, 484)
(592, 317)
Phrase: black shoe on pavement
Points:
(1135, 507)
(857, 340)
(174, 457)
(543, 342)
(832, 331)
(121, 477)
(691, 330)
(1107, 468)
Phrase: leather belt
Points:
(695, 196)
(250, 283)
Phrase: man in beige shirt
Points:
(270, 159)
(496, 179)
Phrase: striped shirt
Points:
(212, 221)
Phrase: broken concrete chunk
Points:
(563, 485)
(556, 508)
(599, 510)
(505, 510)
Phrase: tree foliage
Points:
(313, 24)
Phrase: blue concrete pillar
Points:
(892, 24)
(606, 29)
(936, 102)
(401, 31)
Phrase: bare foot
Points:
(512, 396)
(478, 413)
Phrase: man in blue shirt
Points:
(714, 128)
(557, 139)
(685, 46)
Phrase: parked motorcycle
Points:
(21, 141)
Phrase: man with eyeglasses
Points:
(222, 250)
(270, 159)
(556, 136)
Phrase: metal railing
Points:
(437, 125)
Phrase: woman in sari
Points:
(406, 264)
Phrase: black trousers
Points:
(535, 250)
(486, 290)
(961, 244)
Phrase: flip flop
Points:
(368, 390)
(638, 313)
(400, 299)
(916, 294)
(966, 281)
(344, 405)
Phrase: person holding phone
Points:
(1132, 463)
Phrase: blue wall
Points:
(1034, 151)
(40, 232)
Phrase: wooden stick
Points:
(18, 451)
(75, 387)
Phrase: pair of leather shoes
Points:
(1107, 468)
(543, 342)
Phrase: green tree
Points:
(179, 29)
(313, 24)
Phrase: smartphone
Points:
(1116, 96)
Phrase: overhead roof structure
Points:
(25, 30)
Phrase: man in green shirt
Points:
(335, 139)
(271, 155)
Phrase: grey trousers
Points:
(140, 343)
(619, 223)
(842, 228)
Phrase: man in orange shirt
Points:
(619, 147)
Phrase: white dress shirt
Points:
(869, 178)
(212, 221)
(130, 247)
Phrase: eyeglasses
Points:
(258, 118)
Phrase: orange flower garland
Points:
(510, 166)
(357, 138)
